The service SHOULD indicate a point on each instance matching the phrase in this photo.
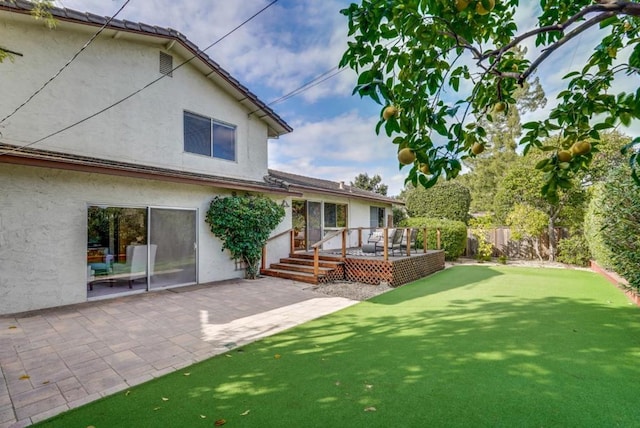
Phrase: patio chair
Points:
(396, 241)
(374, 242)
(411, 242)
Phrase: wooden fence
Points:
(502, 243)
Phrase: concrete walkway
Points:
(57, 359)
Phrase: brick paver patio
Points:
(57, 359)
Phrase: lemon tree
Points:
(440, 67)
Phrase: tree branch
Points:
(590, 23)
(546, 29)
(10, 51)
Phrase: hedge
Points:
(617, 214)
(453, 234)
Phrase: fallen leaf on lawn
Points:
(165, 399)
(370, 409)
(245, 413)
(227, 355)
(186, 374)
(127, 393)
(25, 376)
(220, 422)
(277, 356)
(368, 386)
(337, 383)
(157, 408)
(12, 326)
(45, 382)
(91, 426)
(203, 416)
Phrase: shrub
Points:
(574, 251)
(480, 227)
(244, 224)
(618, 204)
(593, 228)
(399, 214)
(445, 200)
(453, 234)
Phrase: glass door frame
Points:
(196, 243)
(89, 282)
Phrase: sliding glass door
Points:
(172, 245)
(137, 249)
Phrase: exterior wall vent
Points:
(166, 64)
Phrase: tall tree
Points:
(521, 186)
(440, 66)
(488, 168)
(372, 184)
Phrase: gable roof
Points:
(300, 183)
(169, 40)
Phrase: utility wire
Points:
(145, 86)
(111, 18)
(307, 85)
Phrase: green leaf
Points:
(541, 164)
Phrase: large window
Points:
(335, 215)
(205, 136)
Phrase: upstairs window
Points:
(205, 136)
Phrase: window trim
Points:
(335, 207)
(380, 215)
(212, 123)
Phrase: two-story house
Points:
(107, 172)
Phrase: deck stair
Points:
(299, 267)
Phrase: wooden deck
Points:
(374, 269)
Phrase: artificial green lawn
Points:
(470, 346)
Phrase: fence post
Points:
(438, 238)
(292, 241)
(424, 239)
(316, 262)
(264, 257)
(344, 243)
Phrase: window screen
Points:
(204, 136)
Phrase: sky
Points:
(288, 45)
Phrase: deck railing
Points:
(291, 233)
(344, 232)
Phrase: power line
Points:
(145, 86)
(307, 85)
(111, 18)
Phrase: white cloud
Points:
(337, 149)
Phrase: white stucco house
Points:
(106, 177)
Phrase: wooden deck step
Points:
(322, 257)
(301, 269)
(331, 264)
(295, 267)
(287, 274)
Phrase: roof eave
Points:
(52, 160)
(346, 194)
